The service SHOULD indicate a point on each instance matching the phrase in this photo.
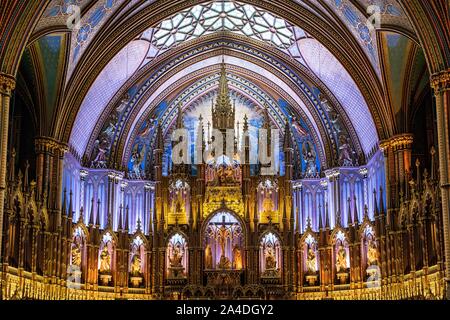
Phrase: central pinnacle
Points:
(224, 113)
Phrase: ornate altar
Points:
(223, 278)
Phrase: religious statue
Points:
(137, 157)
(105, 260)
(136, 265)
(309, 157)
(268, 205)
(324, 101)
(102, 147)
(112, 125)
(178, 203)
(341, 260)
(335, 120)
(223, 235)
(345, 152)
(176, 259)
(225, 174)
(372, 254)
(208, 257)
(76, 256)
(311, 263)
(224, 263)
(237, 258)
(271, 262)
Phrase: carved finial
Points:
(19, 178)
(127, 216)
(91, 216)
(27, 167)
(381, 206)
(180, 120)
(81, 217)
(70, 204)
(138, 227)
(245, 128)
(375, 204)
(12, 164)
(308, 223)
(97, 221)
(366, 212)
(433, 163)
(120, 218)
(349, 212)
(320, 217)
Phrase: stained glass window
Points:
(223, 16)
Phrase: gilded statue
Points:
(176, 259)
(76, 256)
(136, 265)
(311, 263)
(341, 260)
(372, 254)
(178, 204)
(268, 205)
(271, 262)
(208, 257)
(105, 261)
(237, 258)
(224, 263)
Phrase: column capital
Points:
(50, 144)
(401, 141)
(440, 81)
(7, 84)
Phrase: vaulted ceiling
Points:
(315, 63)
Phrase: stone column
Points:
(397, 153)
(440, 82)
(7, 85)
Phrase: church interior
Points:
(221, 149)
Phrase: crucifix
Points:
(223, 234)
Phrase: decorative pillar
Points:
(364, 172)
(333, 177)
(7, 85)
(147, 208)
(440, 82)
(83, 174)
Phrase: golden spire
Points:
(223, 114)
